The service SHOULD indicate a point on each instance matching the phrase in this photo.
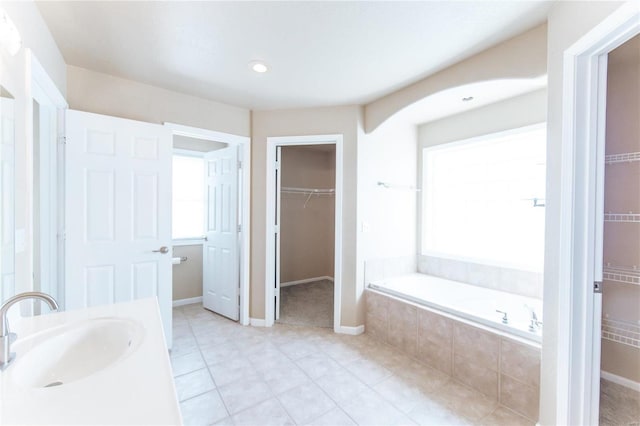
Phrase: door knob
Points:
(163, 250)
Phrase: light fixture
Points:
(467, 99)
(258, 66)
(9, 36)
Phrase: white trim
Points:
(619, 380)
(43, 90)
(257, 322)
(188, 152)
(210, 135)
(188, 301)
(306, 280)
(245, 235)
(577, 380)
(187, 242)
(270, 254)
(352, 331)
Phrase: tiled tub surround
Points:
(523, 283)
(503, 368)
(477, 304)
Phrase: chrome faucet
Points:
(534, 325)
(6, 337)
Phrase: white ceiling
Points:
(319, 53)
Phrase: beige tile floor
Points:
(285, 375)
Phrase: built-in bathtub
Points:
(505, 312)
(453, 327)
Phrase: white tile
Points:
(306, 402)
(317, 365)
(335, 417)
(404, 394)
(369, 372)
(285, 376)
(369, 408)
(244, 393)
(341, 385)
(436, 414)
(194, 383)
(266, 413)
(231, 370)
(203, 409)
(217, 353)
(187, 363)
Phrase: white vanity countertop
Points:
(136, 390)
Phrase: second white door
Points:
(221, 266)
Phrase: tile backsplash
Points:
(514, 281)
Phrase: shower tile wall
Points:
(524, 283)
(504, 369)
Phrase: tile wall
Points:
(514, 281)
(501, 368)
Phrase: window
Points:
(483, 198)
(188, 195)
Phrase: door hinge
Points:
(276, 229)
(239, 164)
(239, 228)
(62, 140)
(277, 165)
(597, 287)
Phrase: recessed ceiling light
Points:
(467, 99)
(258, 66)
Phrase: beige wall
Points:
(523, 56)
(37, 37)
(519, 111)
(622, 240)
(313, 121)
(307, 227)
(105, 94)
(567, 22)
(187, 276)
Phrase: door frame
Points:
(581, 210)
(244, 143)
(43, 90)
(270, 253)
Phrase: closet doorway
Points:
(304, 231)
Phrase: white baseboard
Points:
(622, 381)
(182, 302)
(306, 280)
(257, 322)
(353, 331)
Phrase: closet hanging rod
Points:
(294, 190)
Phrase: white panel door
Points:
(7, 184)
(118, 212)
(221, 259)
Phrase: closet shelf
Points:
(626, 157)
(621, 275)
(623, 332)
(622, 217)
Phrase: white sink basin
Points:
(70, 353)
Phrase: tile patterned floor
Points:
(290, 375)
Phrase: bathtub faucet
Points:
(505, 318)
(534, 325)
